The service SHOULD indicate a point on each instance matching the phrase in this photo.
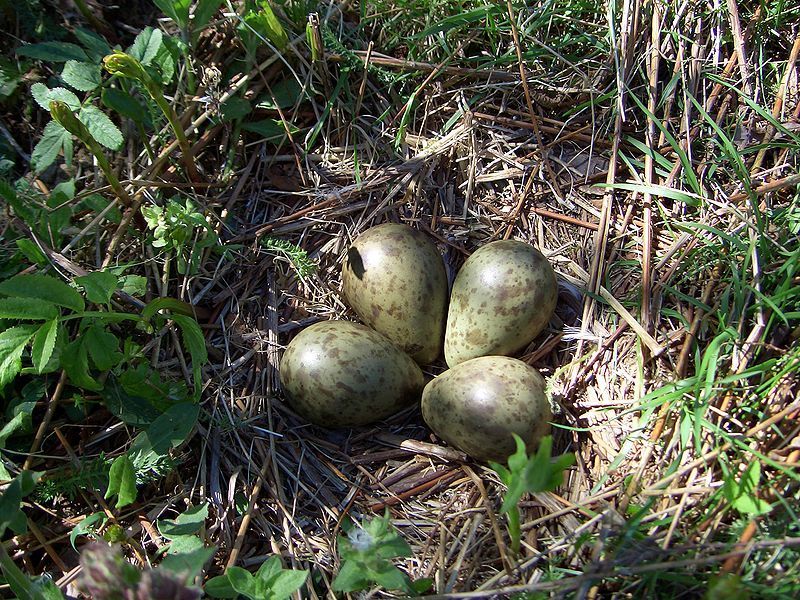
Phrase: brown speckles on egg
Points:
(508, 290)
(478, 404)
(343, 374)
(401, 291)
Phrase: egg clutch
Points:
(344, 374)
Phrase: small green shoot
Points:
(367, 552)
(270, 582)
(296, 255)
(528, 475)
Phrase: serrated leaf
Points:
(96, 46)
(53, 51)
(102, 346)
(146, 45)
(101, 127)
(124, 104)
(12, 343)
(203, 12)
(54, 139)
(75, 361)
(44, 95)
(122, 481)
(81, 76)
(177, 10)
(43, 344)
(27, 309)
(98, 285)
(42, 287)
(171, 429)
(187, 523)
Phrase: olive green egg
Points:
(393, 277)
(502, 298)
(343, 374)
(478, 404)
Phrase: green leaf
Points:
(43, 96)
(743, 494)
(146, 45)
(266, 24)
(122, 481)
(167, 58)
(124, 104)
(350, 578)
(31, 251)
(171, 429)
(81, 76)
(12, 343)
(203, 11)
(53, 51)
(44, 342)
(196, 344)
(102, 346)
(171, 304)
(96, 46)
(242, 581)
(131, 409)
(101, 127)
(27, 309)
(42, 287)
(283, 583)
(284, 95)
(11, 516)
(235, 108)
(177, 10)
(187, 523)
(99, 286)
(272, 130)
(220, 587)
(87, 526)
(189, 564)
(20, 422)
(54, 139)
(135, 285)
(75, 361)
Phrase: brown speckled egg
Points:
(502, 298)
(343, 374)
(394, 279)
(478, 404)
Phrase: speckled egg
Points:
(478, 404)
(343, 374)
(394, 279)
(502, 298)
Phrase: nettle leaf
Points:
(96, 46)
(53, 51)
(99, 286)
(146, 45)
(75, 360)
(12, 343)
(44, 95)
(27, 309)
(53, 140)
(42, 287)
(187, 523)
(102, 347)
(171, 429)
(81, 76)
(44, 342)
(122, 481)
(101, 127)
(124, 104)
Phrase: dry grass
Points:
(484, 157)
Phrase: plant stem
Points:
(514, 530)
